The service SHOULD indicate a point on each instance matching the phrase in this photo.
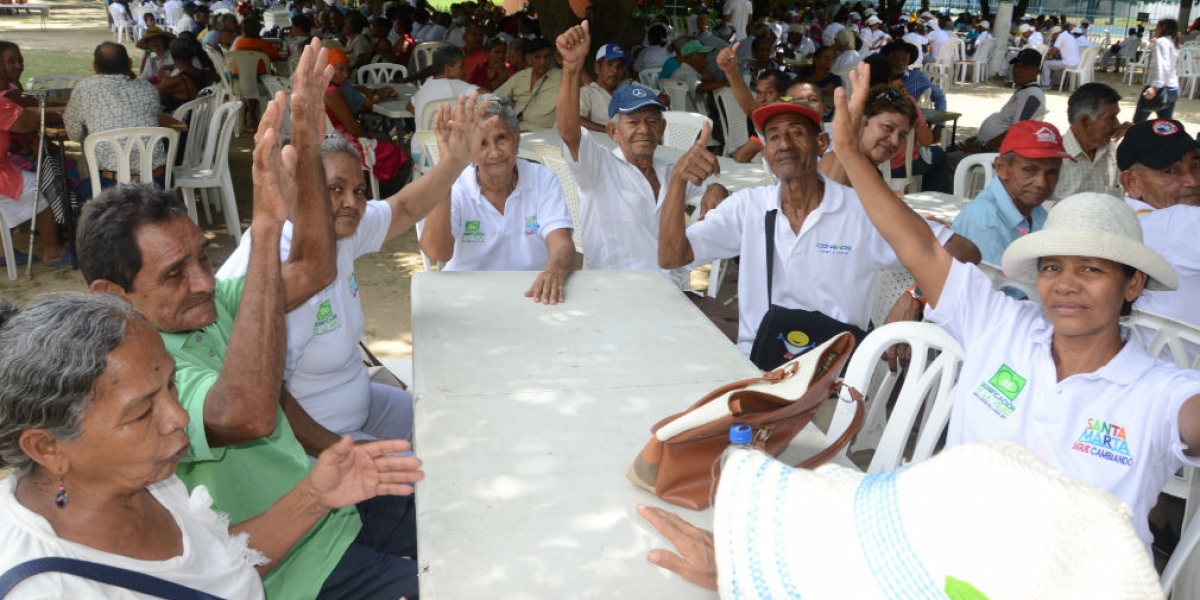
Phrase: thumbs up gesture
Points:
(698, 164)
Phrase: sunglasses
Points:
(890, 95)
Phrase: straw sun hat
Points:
(1091, 225)
(978, 520)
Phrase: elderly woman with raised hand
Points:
(94, 438)
(1059, 378)
(504, 214)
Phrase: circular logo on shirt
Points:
(1165, 128)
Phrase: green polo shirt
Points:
(248, 478)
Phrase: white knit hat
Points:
(1092, 225)
(987, 517)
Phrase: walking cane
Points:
(41, 96)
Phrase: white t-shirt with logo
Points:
(323, 369)
(1172, 232)
(830, 266)
(1116, 428)
(485, 240)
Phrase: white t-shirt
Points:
(1036, 39)
(485, 240)
(920, 42)
(830, 266)
(436, 89)
(1116, 428)
(739, 12)
(937, 39)
(618, 212)
(1172, 233)
(323, 369)
(212, 561)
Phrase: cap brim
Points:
(1021, 257)
(764, 114)
(639, 105)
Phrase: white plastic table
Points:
(527, 417)
(941, 205)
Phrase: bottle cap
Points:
(740, 434)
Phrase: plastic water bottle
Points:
(740, 436)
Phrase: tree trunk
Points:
(1185, 15)
(985, 9)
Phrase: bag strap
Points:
(769, 225)
(116, 576)
(843, 440)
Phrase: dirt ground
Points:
(75, 27)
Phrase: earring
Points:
(61, 499)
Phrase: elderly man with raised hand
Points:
(1092, 112)
(620, 191)
(247, 438)
(1159, 170)
(533, 91)
(1011, 205)
(113, 99)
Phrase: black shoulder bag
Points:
(786, 333)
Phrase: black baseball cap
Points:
(1028, 56)
(1157, 144)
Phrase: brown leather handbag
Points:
(679, 463)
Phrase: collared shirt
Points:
(534, 104)
(1097, 174)
(829, 266)
(916, 82)
(1116, 428)
(1138, 206)
(1068, 50)
(991, 221)
(618, 211)
(593, 103)
(103, 102)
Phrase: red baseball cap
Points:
(1034, 139)
(764, 114)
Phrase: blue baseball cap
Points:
(612, 52)
(632, 97)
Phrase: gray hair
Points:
(1090, 99)
(51, 354)
(499, 106)
(443, 57)
(335, 144)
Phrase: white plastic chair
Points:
(976, 64)
(274, 85)
(551, 158)
(649, 78)
(213, 170)
(429, 112)
(123, 23)
(6, 240)
(683, 128)
(125, 141)
(1081, 73)
(422, 55)
(379, 73)
(1143, 63)
(733, 121)
(930, 382)
(1185, 552)
(244, 84)
(679, 92)
(942, 67)
(968, 171)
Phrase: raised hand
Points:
(312, 76)
(848, 112)
(574, 44)
(698, 164)
(347, 473)
(457, 129)
(727, 59)
(271, 200)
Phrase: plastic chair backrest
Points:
(970, 165)
(551, 158)
(649, 78)
(125, 142)
(683, 128)
(1166, 338)
(983, 50)
(678, 92)
(246, 62)
(931, 377)
(380, 73)
(1185, 552)
(733, 121)
(197, 114)
(429, 112)
(422, 55)
(220, 135)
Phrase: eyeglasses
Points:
(890, 95)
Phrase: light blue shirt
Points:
(991, 221)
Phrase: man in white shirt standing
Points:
(738, 14)
(620, 190)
